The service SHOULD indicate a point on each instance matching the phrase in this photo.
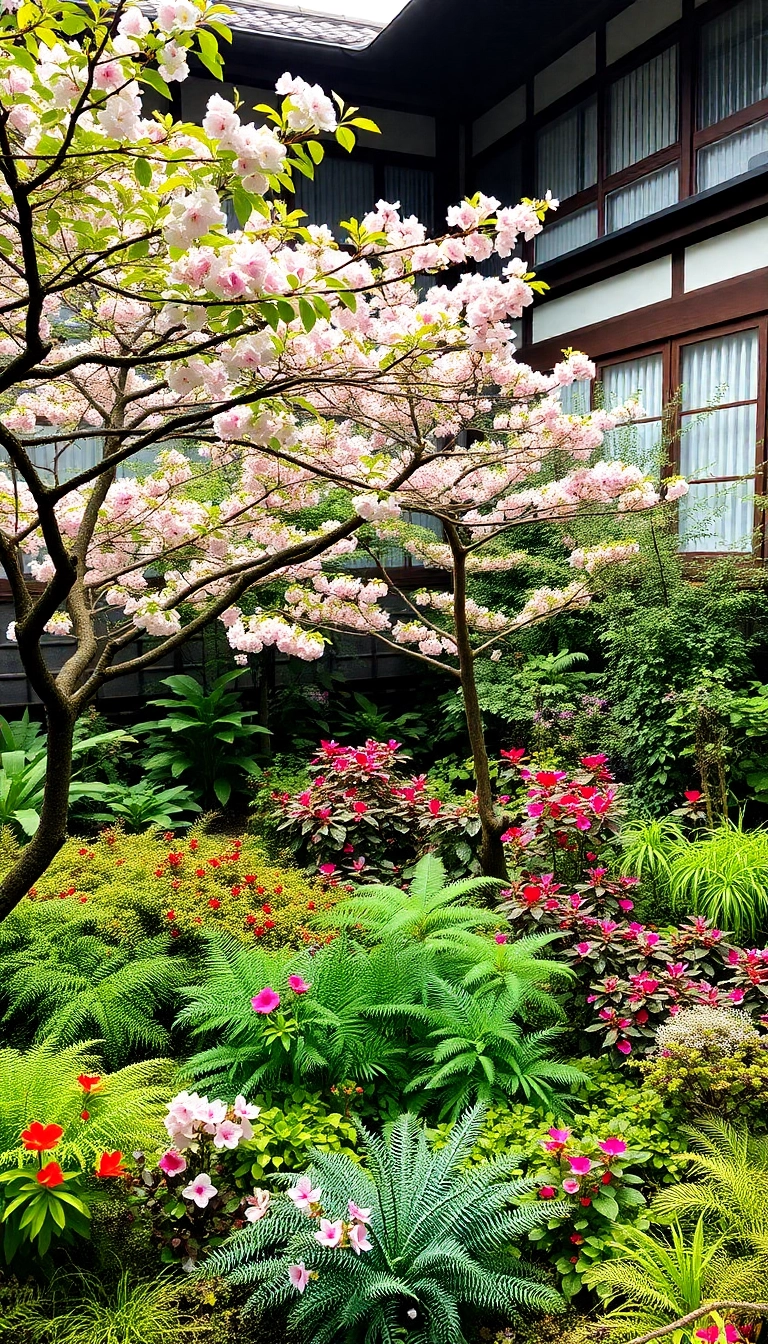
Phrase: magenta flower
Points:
(583, 948)
(299, 1276)
(298, 985)
(709, 1333)
(547, 1192)
(266, 1001)
(571, 1186)
(330, 1234)
(500, 938)
(612, 1147)
(580, 1166)
(624, 1047)
(557, 1140)
(732, 1332)
(327, 869)
(172, 1163)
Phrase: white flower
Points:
(201, 1190)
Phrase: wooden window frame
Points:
(671, 352)
(685, 34)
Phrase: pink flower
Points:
(624, 1047)
(434, 806)
(736, 995)
(298, 985)
(593, 762)
(299, 1276)
(548, 1191)
(327, 869)
(172, 1163)
(201, 1191)
(228, 1135)
(557, 1140)
(571, 1186)
(583, 948)
(360, 1215)
(613, 1147)
(580, 1165)
(330, 1234)
(709, 1333)
(500, 938)
(304, 1194)
(626, 906)
(358, 1238)
(266, 1001)
(693, 796)
(732, 1332)
(257, 1205)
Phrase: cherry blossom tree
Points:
(175, 387)
(187, 366)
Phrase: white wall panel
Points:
(637, 24)
(565, 73)
(734, 253)
(624, 293)
(498, 120)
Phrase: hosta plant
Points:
(145, 804)
(402, 1247)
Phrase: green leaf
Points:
(208, 52)
(316, 151)
(308, 314)
(155, 81)
(222, 788)
(345, 138)
(142, 171)
(365, 124)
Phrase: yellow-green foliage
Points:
(285, 1134)
(134, 884)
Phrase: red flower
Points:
(40, 1138)
(434, 806)
(50, 1175)
(193, 844)
(593, 762)
(606, 1178)
(199, 872)
(359, 808)
(236, 890)
(278, 891)
(249, 878)
(250, 919)
(109, 1164)
(174, 933)
(90, 1082)
(85, 1115)
(214, 903)
(168, 837)
(692, 795)
(170, 914)
(269, 923)
(158, 872)
(576, 1237)
(214, 863)
(310, 905)
(514, 755)
(267, 909)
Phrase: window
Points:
(718, 448)
(567, 234)
(642, 378)
(414, 188)
(642, 115)
(733, 89)
(642, 197)
(734, 62)
(566, 152)
(344, 188)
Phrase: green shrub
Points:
(134, 885)
(724, 877)
(702, 1073)
(286, 1131)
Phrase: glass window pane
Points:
(643, 111)
(719, 443)
(730, 156)
(339, 191)
(644, 197)
(641, 378)
(717, 517)
(724, 368)
(734, 61)
(566, 152)
(501, 174)
(414, 188)
(639, 443)
(573, 231)
(575, 398)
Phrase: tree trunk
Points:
(52, 831)
(492, 857)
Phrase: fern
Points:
(64, 982)
(474, 1051)
(41, 1084)
(441, 1236)
(429, 912)
(732, 1189)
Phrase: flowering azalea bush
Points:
(592, 1176)
(362, 815)
(138, 884)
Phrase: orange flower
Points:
(109, 1165)
(51, 1174)
(39, 1138)
(90, 1082)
